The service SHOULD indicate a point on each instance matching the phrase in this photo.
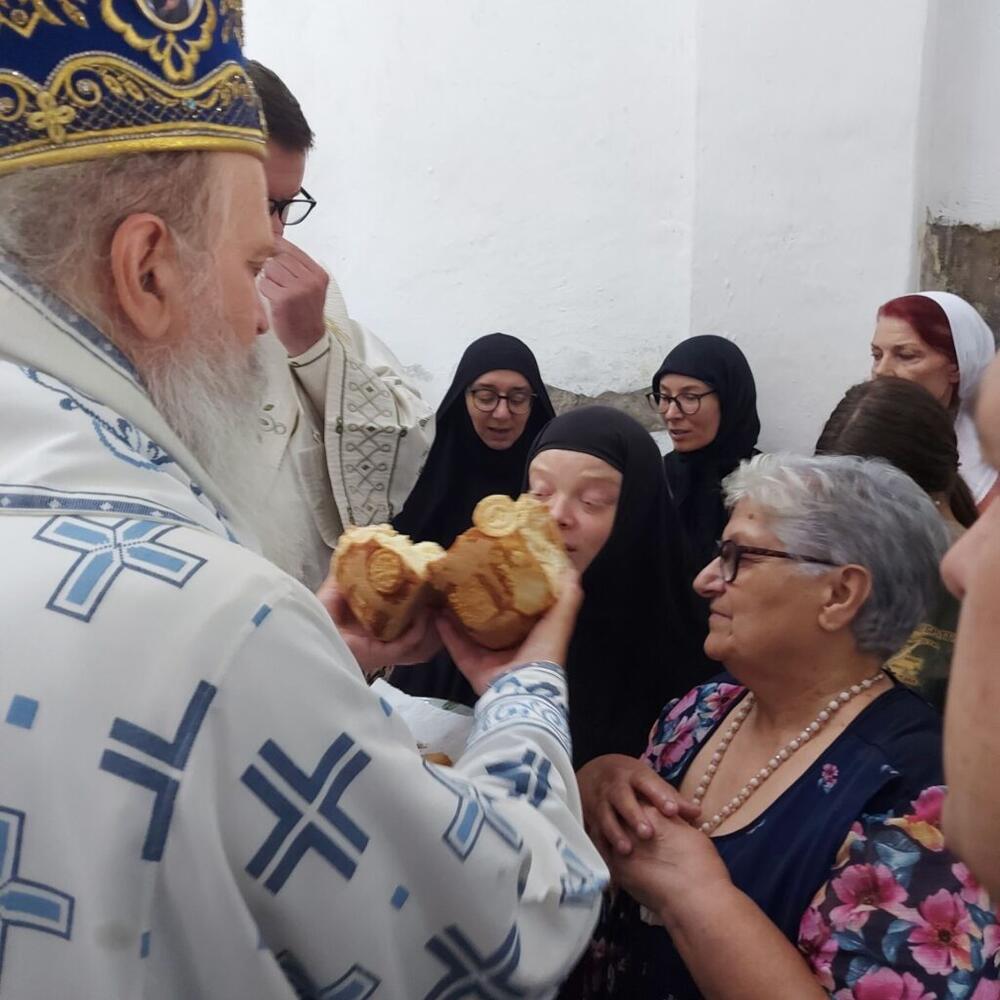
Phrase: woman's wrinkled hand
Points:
(615, 790)
(662, 870)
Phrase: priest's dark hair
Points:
(286, 122)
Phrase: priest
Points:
(199, 795)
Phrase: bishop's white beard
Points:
(209, 390)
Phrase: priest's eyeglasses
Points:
(689, 403)
(487, 400)
(292, 211)
(729, 554)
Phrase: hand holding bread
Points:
(498, 578)
(503, 574)
(547, 641)
(378, 597)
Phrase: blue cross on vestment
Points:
(355, 984)
(107, 548)
(471, 975)
(474, 811)
(174, 755)
(525, 777)
(302, 825)
(580, 883)
(24, 903)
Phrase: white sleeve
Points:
(370, 425)
(349, 850)
(371, 359)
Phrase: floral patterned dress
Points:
(849, 863)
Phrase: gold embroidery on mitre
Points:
(97, 104)
(232, 20)
(51, 117)
(25, 15)
(177, 57)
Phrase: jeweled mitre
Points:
(81, 79)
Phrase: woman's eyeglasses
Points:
(487, 400)
(292, 211)
(689, 403)
(729, 554)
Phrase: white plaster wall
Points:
(522, 166)
(962, 104)
(605, 179)
(807, 124)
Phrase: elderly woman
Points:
(817, 865)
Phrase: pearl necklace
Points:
(777, 760)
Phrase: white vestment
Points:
(199, 795)
(344, 436)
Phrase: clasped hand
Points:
(642, 827)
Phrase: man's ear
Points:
(146, 276)
(847, 592)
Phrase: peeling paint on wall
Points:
(964, 259)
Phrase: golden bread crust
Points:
(384, 577)
(502, 575)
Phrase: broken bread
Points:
(384, 577)
(502, 575)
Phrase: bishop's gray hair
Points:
(860, 511)
(58, 222)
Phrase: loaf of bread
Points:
(384, 577)
(502, 575)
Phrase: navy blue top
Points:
(885, 758)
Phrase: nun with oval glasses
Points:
(493, 411)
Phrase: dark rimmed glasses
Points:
(487, 400)
(689, 403)
(292, 211)
(729, 554)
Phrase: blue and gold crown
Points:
(81, 79)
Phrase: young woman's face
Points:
(693, 417)
(581, 492)
(897, 349)
(500, 427)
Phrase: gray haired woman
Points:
(813, 863)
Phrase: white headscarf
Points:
(975, 348)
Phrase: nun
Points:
(706, 395)
(635, 646)
(493, 410)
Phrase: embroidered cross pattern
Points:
(523, 701)
(526, 780)
(105, 550)
(368, 442)
(308, 812)
(474, 811)
(23, 902)
(471, 975)
(163, 783)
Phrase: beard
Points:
(209, 390)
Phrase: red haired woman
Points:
(939, 341)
